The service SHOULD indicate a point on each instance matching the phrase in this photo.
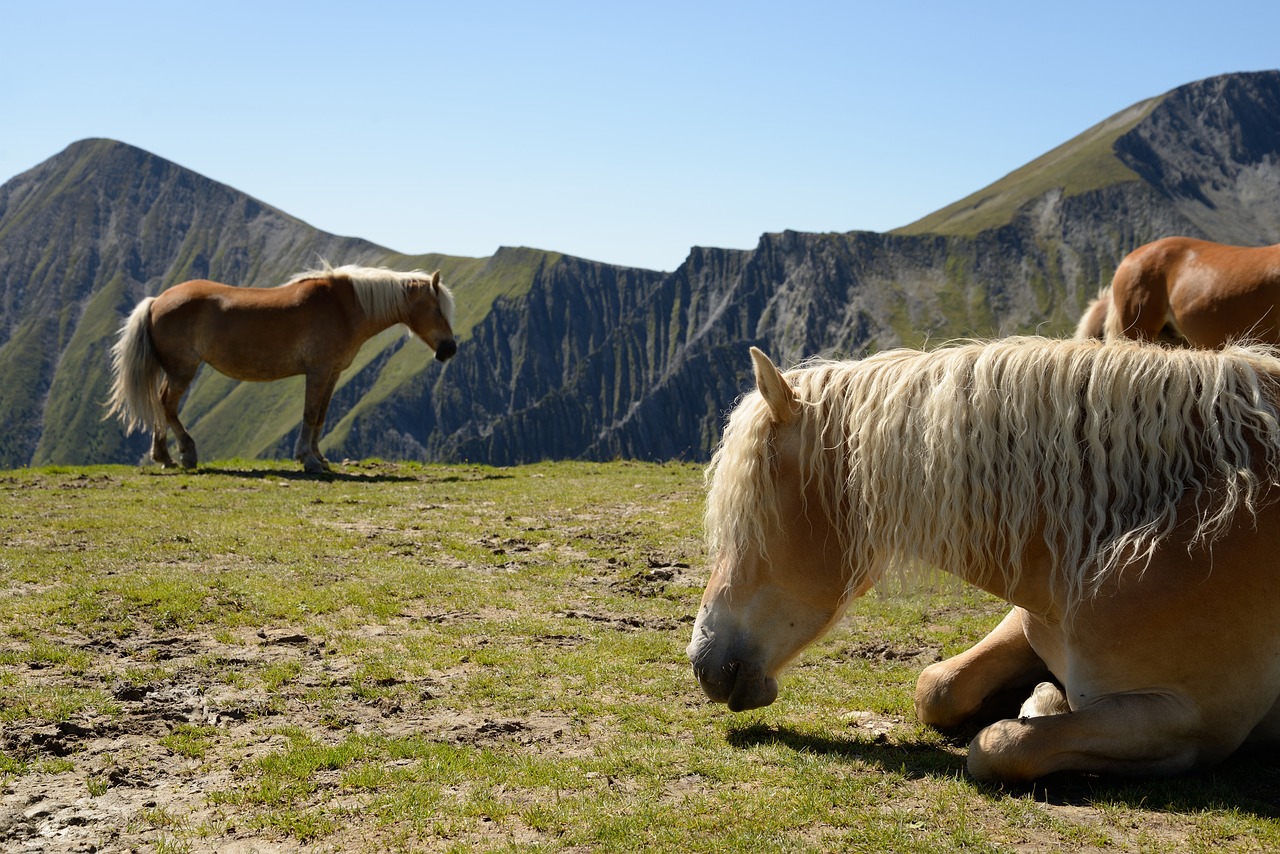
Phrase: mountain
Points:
(560, 357)
(88, 233)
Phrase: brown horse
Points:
(313, 325)
(1184, 291)
(1121, 496)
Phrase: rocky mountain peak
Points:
(567, 358)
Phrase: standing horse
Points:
(312, 325)
(1186, 291)
(1121, 497)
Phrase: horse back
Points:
(252, 333)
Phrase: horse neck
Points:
(989, 560)
(378, 316)
(1028, 583)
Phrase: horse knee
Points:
(971, 689)
(1018, 751)
(936, 700)
(996, 755)
(1127, 734)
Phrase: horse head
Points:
(778, 575)
(429, 313)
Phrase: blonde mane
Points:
(956, 458)
(381, 292)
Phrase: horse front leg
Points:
(307, 449)
(1130, 734)
(985, 682)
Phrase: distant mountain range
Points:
(561, 357)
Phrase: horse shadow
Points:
(339, 476)
(333, 476)
(1248, 781)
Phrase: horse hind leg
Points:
(170, 396)
(304, 452)
(1139, 303)
(160, 446)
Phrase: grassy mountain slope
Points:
(563, 357)
(1085, 163)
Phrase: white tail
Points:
(135, 389)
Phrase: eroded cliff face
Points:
(650, 374)
(589, 360)
(1212, 150)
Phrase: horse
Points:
(1188, 292)
(314, 324)
(1121, 497)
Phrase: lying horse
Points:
(1185, 291)
(1122, 497)
(313, 325)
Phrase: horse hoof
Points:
(311, 465)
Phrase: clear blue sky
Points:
(619, 132)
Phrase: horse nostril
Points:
(445, 349)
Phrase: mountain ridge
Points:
(564, 357)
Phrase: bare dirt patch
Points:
(125, 786)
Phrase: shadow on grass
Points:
(299, 475)
(1248, 782)
(336, 475)
(911, 760)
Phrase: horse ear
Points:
(435, 279)
(774, 388)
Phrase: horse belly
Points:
(1202, 625)
(256, 345)
(234, 365)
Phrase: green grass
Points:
(451, 658)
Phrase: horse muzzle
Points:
(445, 350)
(730, 680)
(739, 686)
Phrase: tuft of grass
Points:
(189, 740)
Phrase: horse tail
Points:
(1113, 326)
(1093, 321)
(135, 386)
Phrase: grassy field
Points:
(436, 658)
